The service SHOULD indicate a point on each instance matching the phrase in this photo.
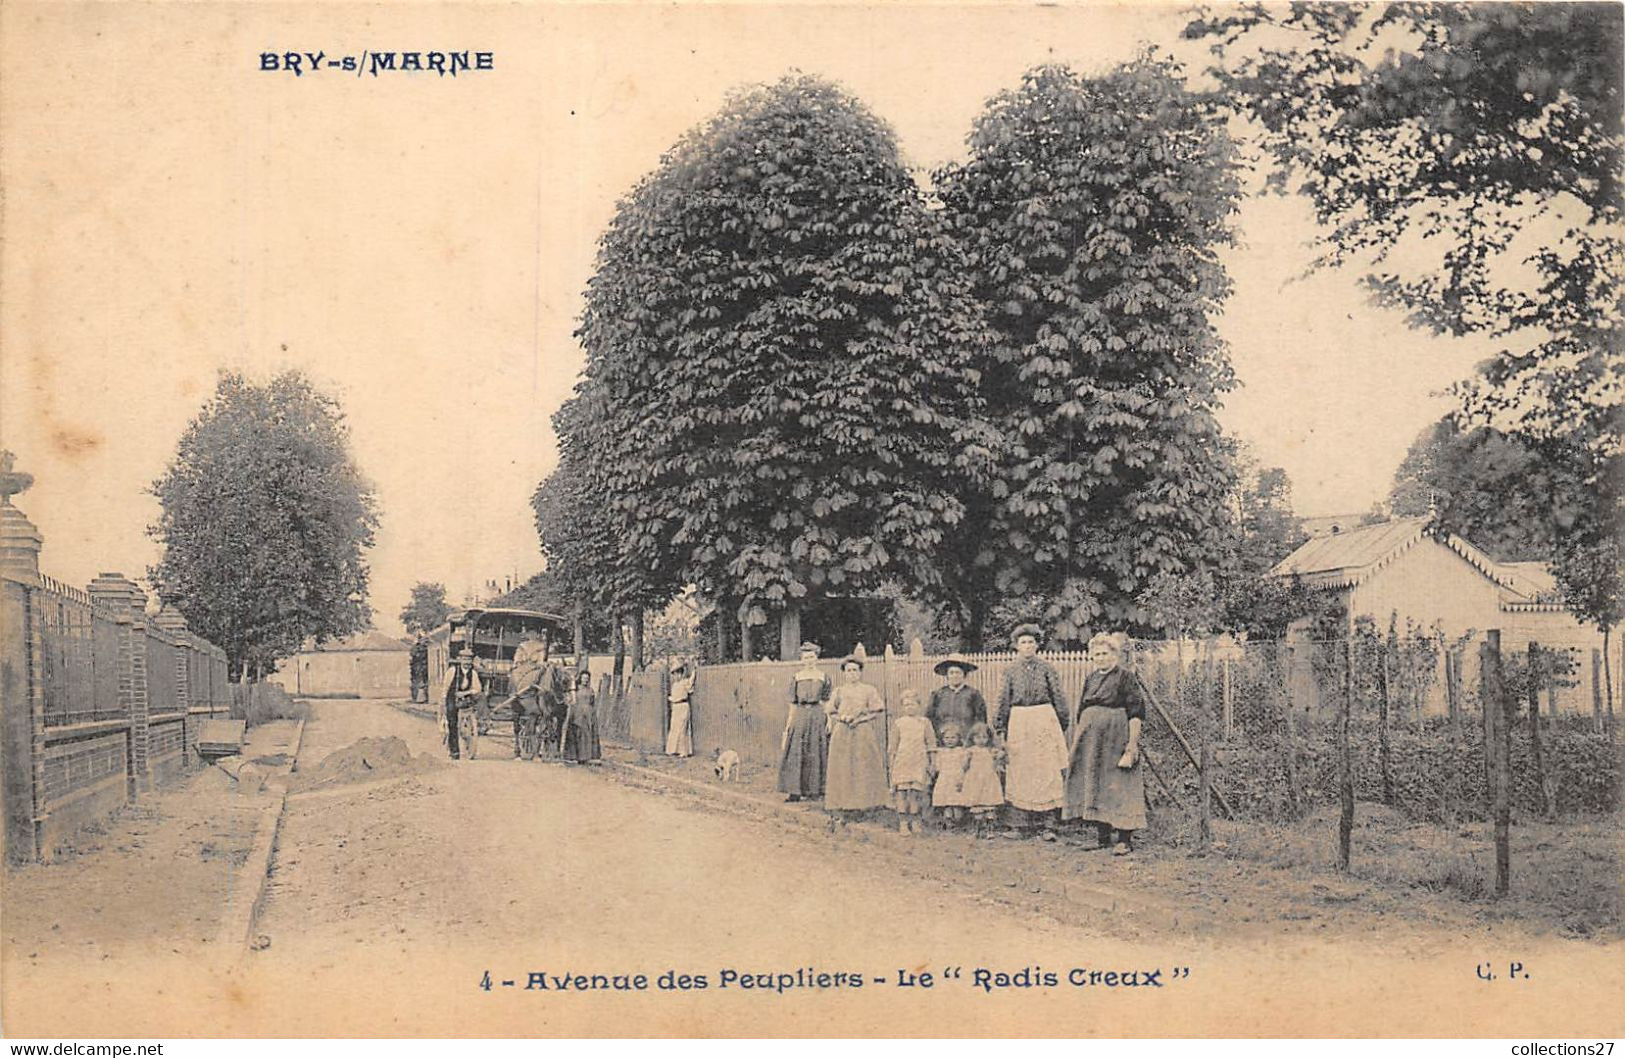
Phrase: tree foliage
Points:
(1482, 139)
(1514, 499)
(427, 609)
(779, 346)
(1091, 210)
(265, 522)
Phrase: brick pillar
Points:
(174, 624)
(117, 592)
(22, 694)
(118, 596)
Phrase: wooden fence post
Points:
(1289, 739)
(1384, 745)
(1229, 702)
(1497, 754)
(1533, 692)
(1204, 790)
(1345, 762)
(1452, 690)
(1596, 688)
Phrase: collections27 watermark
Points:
(378, 63)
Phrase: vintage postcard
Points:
(796, 520)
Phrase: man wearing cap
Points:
(956, 702)
(1032, 720)
(460, 691)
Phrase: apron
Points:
(1033, 778)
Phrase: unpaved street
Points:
(390, 901)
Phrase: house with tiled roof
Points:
(1408, 569)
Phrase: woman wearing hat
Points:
(1032, 722)
(804, 754)
(956, 702)
(1105, 785)
(857, 744)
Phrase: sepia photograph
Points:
(801, 520)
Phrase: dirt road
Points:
(391, 902)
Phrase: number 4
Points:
(485, 980)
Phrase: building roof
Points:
(1534, 579)
(1345, 559)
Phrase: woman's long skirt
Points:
(804, 760)
(581, 737)
(857, 766)
(1033, 776)
(1096, 788)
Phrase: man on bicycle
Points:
(525, 682)
(461, 691)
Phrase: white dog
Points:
(726, 766)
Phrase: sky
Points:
(418, 245)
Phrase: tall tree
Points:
(780, 340)
(427, 610)
(1264, 531)
(266, 521)
(1512, 498)
(1091, 210)
(1467, 157)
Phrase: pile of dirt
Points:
(362, 761)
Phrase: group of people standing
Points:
(1031, 756)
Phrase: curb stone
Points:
(248, 892)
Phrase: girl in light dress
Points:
(968, 777)
(951, 760)
(981, 789)
(912, 742)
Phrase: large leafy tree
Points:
(1091, 210)
(780, 346)
(427, 609)
(266, 521)
(1467, 158)
(588, 565)
(1263, 531)
(1512, 498)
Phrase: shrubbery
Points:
(1438, 776)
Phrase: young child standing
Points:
(912, 742)
(952, 758)
(981, 789)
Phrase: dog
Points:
(726, 766)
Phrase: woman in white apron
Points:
(1031, 719)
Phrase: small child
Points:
(913, 741)
(951, 762)
(980, 788)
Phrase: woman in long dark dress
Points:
(581, 737)
(804, 753)
(1104, 782)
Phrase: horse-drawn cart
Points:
(495, 635)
